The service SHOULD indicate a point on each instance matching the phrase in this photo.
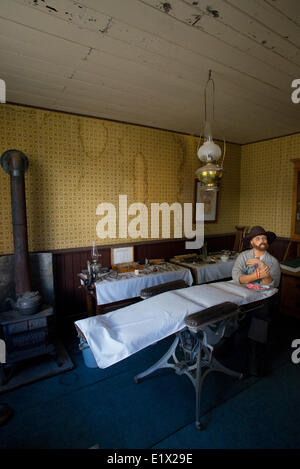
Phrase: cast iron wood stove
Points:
(28, 329)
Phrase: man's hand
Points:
(261, 266)
(253, 261)
(264, 271)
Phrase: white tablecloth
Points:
(123, 332)
(205, 273)
(130, 285)
(212, 272)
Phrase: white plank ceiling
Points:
(147, 61)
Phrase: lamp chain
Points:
(224, 153)
(213, 96)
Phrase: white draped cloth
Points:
(123, 332)
(129, 285)
(212, 272)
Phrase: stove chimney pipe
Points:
(15, 163)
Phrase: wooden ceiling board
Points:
(289, 9)
(124, 48)
(188, 37)
(26, 64)
(237, 24)
(147, 61)
(271, 19)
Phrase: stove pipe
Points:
(15, 163)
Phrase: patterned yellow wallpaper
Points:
(267, 183)
(76, 163)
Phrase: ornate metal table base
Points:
(191, 354)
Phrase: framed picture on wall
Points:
(121, 255)
(210, 201)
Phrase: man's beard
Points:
(260, 246)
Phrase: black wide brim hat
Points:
(257, 231)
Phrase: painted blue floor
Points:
(85, 407)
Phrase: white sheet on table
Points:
(123, 332)
(108, 292)
(213, 272)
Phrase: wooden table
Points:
(205, 272)
(104, 296)
(93, 308)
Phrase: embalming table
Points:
(200, 316)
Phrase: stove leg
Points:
(53, 353)
(6, 375)
(58, 359)
(2, 376)
(6, 412)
